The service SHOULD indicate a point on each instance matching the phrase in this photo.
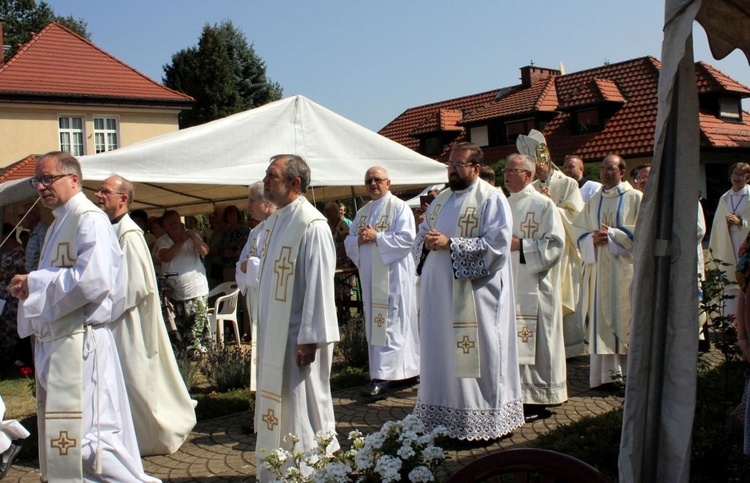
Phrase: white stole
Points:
(62, 431)
(284, 258)
(380, 275)
(465, 327)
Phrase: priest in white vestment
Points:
(379, 244)
(247, 274)
(564, 192)
(85, 425)
(297, 315)
(604, 231)
(469, 381)
(536, 248)
(730, 228)
(163, 412)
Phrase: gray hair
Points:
(295, 167)
(258, 188)
(527, 161)
(65, 163)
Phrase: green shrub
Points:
(228, 368)
(352, 348)
(190, 370)
(218, 404)
(348, 376)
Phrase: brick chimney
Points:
(532, 74)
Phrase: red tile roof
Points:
(718, 133)
(539, 97)
(19, 170)
(711, 80)
(57, 62)
(412, 120)
(630, 131)
(440, 120)
(629, 88)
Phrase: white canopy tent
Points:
(193, 169)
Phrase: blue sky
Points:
(371, 60)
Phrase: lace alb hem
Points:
(472, 424)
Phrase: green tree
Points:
(21, 18)
(223, 74)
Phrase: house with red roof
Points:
(61, 92)
(606, 110)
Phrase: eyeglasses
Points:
(108, 192)
(46, 180)
(458, 165)
(514, 170)
(376, 180)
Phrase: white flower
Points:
(405, 452)
(336, 471)
(364, 458)
(412, 423)
(433, 454)
(388, 467)
(421, 474)
(375, 440)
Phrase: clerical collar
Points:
(381, 200)
(117, 220)
(582, 182)
(742, 191)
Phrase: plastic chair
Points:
(528, 464)
(224, 310)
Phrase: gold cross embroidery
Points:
(379, 320)
(525, 334)
(63, 443)
(530, 226)
(468, 221)
(383, 224)
(434, 214)
(362, 222)
(283, 267)
(465, 344)
(270, 419)
(264, 246)
(63, 257)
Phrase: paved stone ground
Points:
(218, 451)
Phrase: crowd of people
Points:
(482, 296)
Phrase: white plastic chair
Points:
(224, 310)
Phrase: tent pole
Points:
(665, 245)
(354, 197)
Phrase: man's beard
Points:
(458, 184)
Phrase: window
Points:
(71, 135)
(105, 134)
(513, 129)
(432, 146)
(586, 121)
(729, 108)
(480, 136)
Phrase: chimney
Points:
(531, 74)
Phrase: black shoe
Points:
(9, 455)
(377, 390)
